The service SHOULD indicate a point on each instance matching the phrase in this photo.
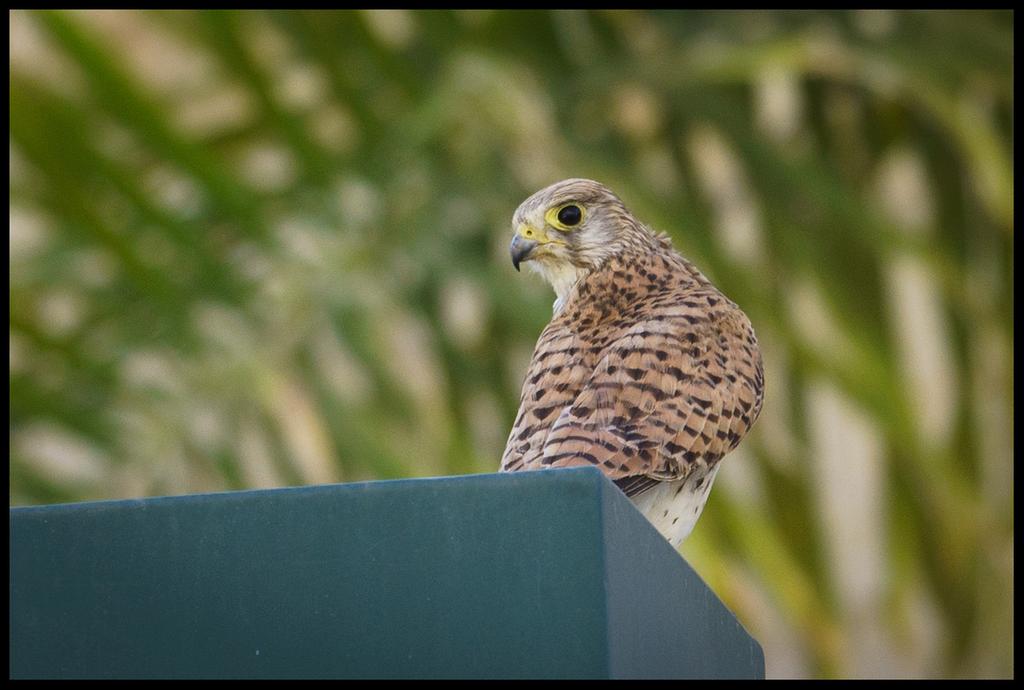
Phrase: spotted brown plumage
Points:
(646, 370)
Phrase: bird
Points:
(645, 371)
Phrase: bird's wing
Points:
(679, 388)
(636, 484)
(556, 374)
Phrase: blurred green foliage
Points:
(269, 248)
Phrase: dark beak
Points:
(520, 249)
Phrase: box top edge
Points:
(571, 474)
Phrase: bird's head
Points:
(572, 226)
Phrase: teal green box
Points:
(549, 574)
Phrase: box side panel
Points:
(484, 576)
(664, 622)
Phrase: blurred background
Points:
(261, 249)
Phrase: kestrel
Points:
(646, 370)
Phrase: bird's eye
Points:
(565, 217)
(570, 215)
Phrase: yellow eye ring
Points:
(565, 217)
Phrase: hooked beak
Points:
(520, 249)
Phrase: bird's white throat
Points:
(562, 276)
